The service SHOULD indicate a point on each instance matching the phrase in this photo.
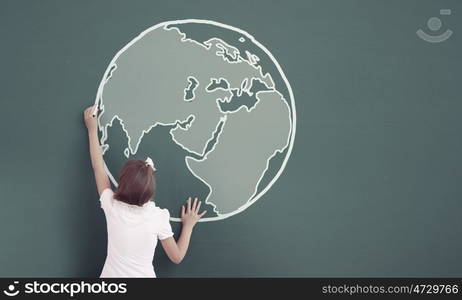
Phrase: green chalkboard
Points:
(372, 185)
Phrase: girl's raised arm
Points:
(101, 178)
(176, 250)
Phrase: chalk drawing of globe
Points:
(209, 104)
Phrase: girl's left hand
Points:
(190, 214)
(90, 120)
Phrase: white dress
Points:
(132, 236)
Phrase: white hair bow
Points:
(150, 163)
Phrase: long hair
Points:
(136, 183)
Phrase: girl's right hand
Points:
(90, 120)
(190, 214)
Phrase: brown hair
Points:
(136, 183)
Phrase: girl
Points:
(134, 223)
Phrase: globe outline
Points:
(291, 136)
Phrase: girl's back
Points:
(132, 236)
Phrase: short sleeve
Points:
(106, 198)
(165, 229)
